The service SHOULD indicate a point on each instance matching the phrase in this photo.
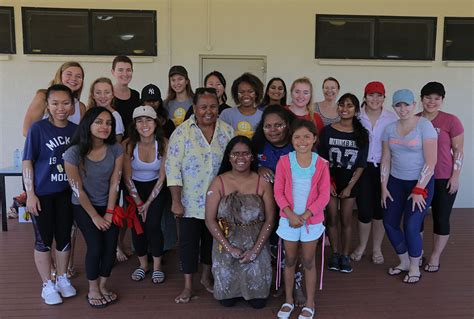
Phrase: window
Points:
(7, 30)
(373, 37)
(458, 44)
(89, 32)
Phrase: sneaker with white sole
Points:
(50, 294)
(64, 287)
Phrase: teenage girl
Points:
(275, 93)
(448, 167)
(247, 91)
(409, 154)
(345, 144)
(180, 94)
(327, 108)
(302, 100)
(374, 117)
(144, 173)
(301, 191)
(215, 80)
(48, 193)
(70, 74)
(93, 165)
(102, 94)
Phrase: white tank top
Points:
(142, 171)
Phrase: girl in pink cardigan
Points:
(302, 187)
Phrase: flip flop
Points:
(110, 298)
(98, 306)
(408, 279)
(208, 286)
(378, 259)
(431, 268)
(395, 271)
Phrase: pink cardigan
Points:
(318, 195)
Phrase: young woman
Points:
(374, 117)
(301, 191)
(70, 74)
(93, 165)
(239, 215)
(215, 80)
(345, 144)
(448, 167)
(126, 99)
(151, 96)
(327, 109)
(48, 193)
(302, 100)
(275, 93)
(409, 153)
(102, 94)
(247, 92)
(180, 94)
(144, 173)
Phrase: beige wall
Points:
(281, 30)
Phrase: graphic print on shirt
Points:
(58, 174)
(244, 128)
(178, 116)
(342, 153)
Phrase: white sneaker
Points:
(50, 294)
(64, 287)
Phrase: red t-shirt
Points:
(316, 119)
(447, 126)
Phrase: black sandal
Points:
(103, 303)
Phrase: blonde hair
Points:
(305, 80)
(91, 102)
(59, 73)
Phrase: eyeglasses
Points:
(235, 155)
(204, 90)
(277, 126)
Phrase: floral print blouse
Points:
(193, 163)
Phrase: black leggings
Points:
(195, 244)
(101, 245)
(441, 207)
(54, 221)
(257, 303)
(368, 199)
(152, 227)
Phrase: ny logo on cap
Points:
(151, 91)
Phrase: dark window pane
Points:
(406, 38)
(124, 32)
(344, 37)
(459, 39)
(7, 32)
(56, 31)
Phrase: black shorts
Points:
(342, 178)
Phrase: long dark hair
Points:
(134, 136)
(226, 166)
(259, 138)
(83, 136)
(266, 98)
(221, 78)
(360, 132)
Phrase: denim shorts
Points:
(304, 233)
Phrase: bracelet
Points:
(420, 191)
(109, 211)
(140, 205)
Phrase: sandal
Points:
(157, 277)
(378, 259)
(357, 256)
(102, 304)
(431, 268)
(412, 279)
(209, 286)
(395, 271)
(110, 298)
(139, 274)
(285, 314)
(307, 309)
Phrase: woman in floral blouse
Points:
(195, 153)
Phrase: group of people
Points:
(238, 180)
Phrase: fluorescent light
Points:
(127, 36)
(105, 18)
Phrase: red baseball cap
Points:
(374, 87)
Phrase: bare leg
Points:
(347, 205)
(291, 253)
(439, 243)
(378, 233)
(121, 252)
(331, 224)
(206, 278)
(43, 264)
(309, 265)
(71, 272)
(364, 232)
(62, 259)
(109, 296)
(187, 293)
